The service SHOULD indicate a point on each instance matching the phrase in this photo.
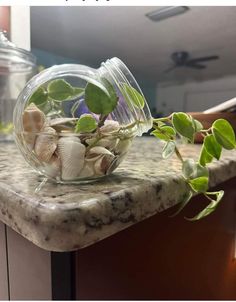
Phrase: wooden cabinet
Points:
(3, 265)
(165, 258)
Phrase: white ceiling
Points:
(93, 34)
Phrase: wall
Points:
(195, 96)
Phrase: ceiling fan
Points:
(182, 59)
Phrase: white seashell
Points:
(87, 171)
(102, 164)
(46, 144)
(96, 152)
(110, 126)
(123, 146)
(53, 168)
(72, 153)
(33, 120)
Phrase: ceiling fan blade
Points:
(204, 59)
(170, 69)
(194, 65)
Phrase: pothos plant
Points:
(102, 100)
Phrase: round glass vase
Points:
(73, 123)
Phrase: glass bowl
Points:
(74, 123)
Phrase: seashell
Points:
(87, 171)
(115, 163)
(123, 146)
(102, 165)
(96, 152)
(110, 126)
(108, 143)
(72, 154)
(61, 123)
(33, 120)
(46, 144)
(53, 168)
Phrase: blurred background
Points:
(160, 45)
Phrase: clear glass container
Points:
(74, 123)
(17, 66)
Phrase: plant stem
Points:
(102, 120)
(178, 154)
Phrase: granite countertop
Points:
(70, 217)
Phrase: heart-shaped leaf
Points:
(86, 123)
(211, 207)
(39, 97)
(60, 90)
(164, 133)
(199, 184)
(224, 134)
(168, 149)
(205, 157)
(212, 147)
(132, 96)
(183, 125)
(101, 100)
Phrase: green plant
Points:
(101, 99)
(195, 173)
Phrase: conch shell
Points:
(46, 144)
(72, 153)
(33, 121)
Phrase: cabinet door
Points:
(29, 269)
(3, 264)
(165, 258)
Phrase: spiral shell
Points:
(72, 153)
(46, 144)
(102, 165)
(33, 120)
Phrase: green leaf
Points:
(168, 149)
(212, 147)
(205, 157)
(197, 125)
(60, 90)
(101, 100)
(39, 97)
(183, 125)
(164, 133)
(184, 202)
(132, 96)
(192, 169)
(199, 184)
(188, 168)
(211, 207)
(86, 123)
(77, 91)
(224, 134)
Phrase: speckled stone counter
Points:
(70, 217)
